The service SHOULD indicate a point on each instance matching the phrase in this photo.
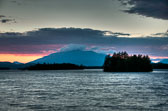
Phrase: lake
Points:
(83, 90)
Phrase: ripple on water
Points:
(83, 90)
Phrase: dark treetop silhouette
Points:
(122, 62)
(64, 66)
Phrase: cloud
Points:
(71, 47)
(4, 19)
(99, 49)
(116, 34)
(17, 2)
(11, 34)
(2, 16)
(160, 34)
(150, 8)
(163, 34)
(56, 39)
(8, 21)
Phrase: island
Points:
(122, 62)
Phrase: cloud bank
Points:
(47, 40)
(150, 8)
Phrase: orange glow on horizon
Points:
(23, 58)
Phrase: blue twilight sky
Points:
(44, 26)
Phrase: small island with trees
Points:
(122, 62)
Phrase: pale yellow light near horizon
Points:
(18, 58)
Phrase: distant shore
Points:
(69, 67)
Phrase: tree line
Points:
(64, 66)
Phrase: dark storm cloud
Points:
(31, 42)
(150, 8)
(60, 35)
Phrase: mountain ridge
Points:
(78, 57)
(164, 61)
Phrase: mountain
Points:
(9, 65)
(16, 62)
(164, 61)
(78, 57)
(14, 65)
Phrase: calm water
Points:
(87, 90)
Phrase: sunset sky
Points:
(30, 29)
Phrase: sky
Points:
(30, 29)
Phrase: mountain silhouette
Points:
(164, 61)
(16, 62)
(14, 65)
(78, 57)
